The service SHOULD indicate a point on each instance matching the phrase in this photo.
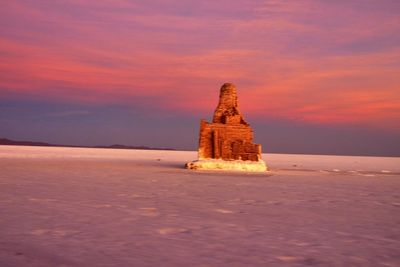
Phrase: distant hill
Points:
(8, 142)
(117, 146)
(4, 141)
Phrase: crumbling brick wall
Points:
(228, 137)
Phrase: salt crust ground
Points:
(224, 165)
(104, 207)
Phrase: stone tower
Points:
(228, 140)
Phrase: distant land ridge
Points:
(8, 142)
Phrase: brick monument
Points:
(227, 142)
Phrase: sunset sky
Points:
(320, 77)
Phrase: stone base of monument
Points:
(230, 165)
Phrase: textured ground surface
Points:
(99, 207)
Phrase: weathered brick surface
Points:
(229, 136)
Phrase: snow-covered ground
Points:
(106, 207)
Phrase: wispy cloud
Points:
(69, 113)
(314, 61)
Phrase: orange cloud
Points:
(286, 63)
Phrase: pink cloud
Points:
(296, 61)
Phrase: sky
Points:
(313, 77)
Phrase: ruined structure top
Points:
(229, 136)
(227, 111)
